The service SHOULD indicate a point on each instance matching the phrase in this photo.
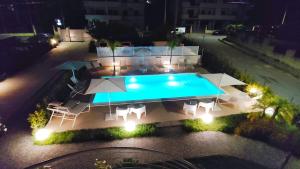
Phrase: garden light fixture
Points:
(207, 118)
(53, 41)
(42, 134)
(269, 111)
(130, 126)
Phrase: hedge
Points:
(225, 124)
(75, 136)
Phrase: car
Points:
(3, 76)
(219, 32)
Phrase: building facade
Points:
(121, 11)
(210, 14)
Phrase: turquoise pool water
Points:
(160, 86)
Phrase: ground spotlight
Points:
(207, 118)
(130, 126)
(42, 134)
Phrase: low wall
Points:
(148, 60)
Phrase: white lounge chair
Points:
(69, 111)
(190, 107)
(240, 100)
(138, 110)
(121, 111)
(75, 90)
(208, 106)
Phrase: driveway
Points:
(284, 84)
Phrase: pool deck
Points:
(165, 113)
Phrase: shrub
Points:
(282, 136)
(224, 124)
(38, 119)
(260, 129)
(140, 131)
(98, 134)
(102, 164)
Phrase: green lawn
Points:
(225, 124)
(224, 162)
(75, 136)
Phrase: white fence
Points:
(149, 55)
(148, 51)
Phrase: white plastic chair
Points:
(122, 112)
(190, 108)
(207, 106)
(139, 111)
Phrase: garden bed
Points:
(279, 135)
(76, 136)
(225, 124)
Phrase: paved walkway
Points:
(19, 151)
(282, 83)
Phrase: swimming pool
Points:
(160, 86)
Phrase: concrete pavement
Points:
(284, 84)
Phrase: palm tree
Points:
(172, 44)
(284, 111)
(113, 45)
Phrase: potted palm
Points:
(172, 44)
(113, 45)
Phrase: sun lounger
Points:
(240, 100)
(69, 111)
